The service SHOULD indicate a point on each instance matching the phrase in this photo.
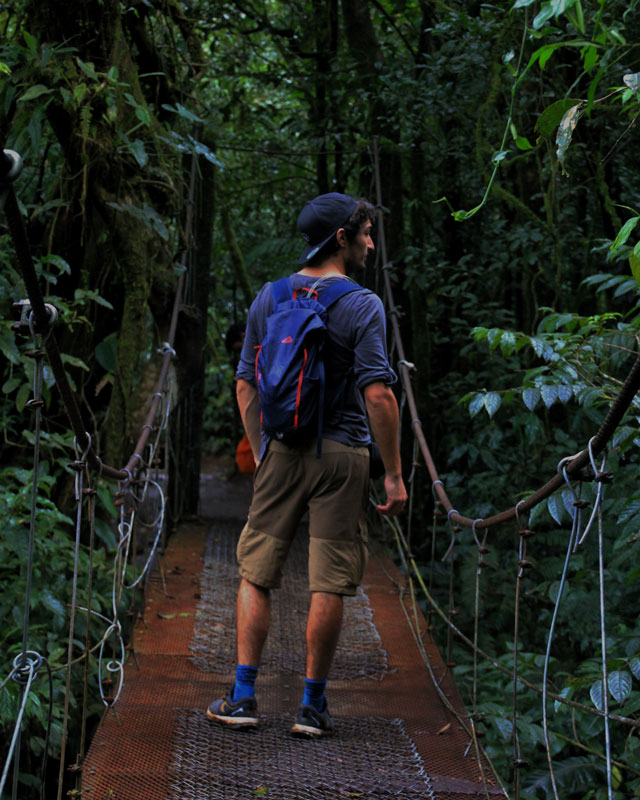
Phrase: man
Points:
(334, 486)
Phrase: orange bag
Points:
(244, 456)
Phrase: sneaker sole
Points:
(236, 722)
(309, 731)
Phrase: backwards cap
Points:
(321, 218)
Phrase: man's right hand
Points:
(396, 496)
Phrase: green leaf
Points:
(522, 143)
(589, 57)
(632, 80)
(58, 262)
(568, 500)
(34, 91)
(619, 683)
(530, 397)
(88, 68)
(136, 148)
(624, 233)
(50, 601)
(538, 346)
(565, 130)
(554, 591)
(634, 666)
(508, 343)
(567, 693)
(596, 695)
(492, 401)
(23, 395)
(555, 509)
(8, 346)
(107, 351)
(494, 336)
(476, 404)
(565, 393)
(549, 394)
(74, 361)
(544, 15)
(183, 112)
(523, 3)
(551, 117)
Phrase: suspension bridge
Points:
(402, 728)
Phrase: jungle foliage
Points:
(507, 137)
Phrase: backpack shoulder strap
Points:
(334, 291)
(281, 291)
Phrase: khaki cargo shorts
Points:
(335, 489)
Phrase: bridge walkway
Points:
(394, 736)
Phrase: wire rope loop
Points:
(114, 628)
(433, 485)
(52, 312)
(475, 535)
(14, 170)
(408, 364)
(453, 534)
(166, 349)
(517, 513)
(85, 452)
(596, 472)
(159, 522)
(568, 482)
(25, 666)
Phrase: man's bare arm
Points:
(247, 397)
(382, 409)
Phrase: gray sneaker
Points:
(242, 713)
(312, 723)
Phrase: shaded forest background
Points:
(509, 180)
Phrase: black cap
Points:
(321, 218)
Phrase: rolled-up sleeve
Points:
(371, 362)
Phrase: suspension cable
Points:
(612, 419)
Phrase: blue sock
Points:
(314, 693)
(245, 681)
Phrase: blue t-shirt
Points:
(355, 354)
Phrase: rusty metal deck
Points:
(394, 737)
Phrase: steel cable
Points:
(625, 397)
(80, 466)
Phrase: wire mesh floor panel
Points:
(394, 736)
(359, 653)
(368, 757)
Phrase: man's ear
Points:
(341, 237)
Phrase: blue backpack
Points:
(289, 365)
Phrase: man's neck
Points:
(330, 266)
